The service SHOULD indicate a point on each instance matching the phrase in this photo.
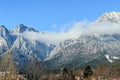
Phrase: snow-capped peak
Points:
(22, 28)
(3, 28)
(3, 31)
(113, 17)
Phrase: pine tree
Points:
(87, 72)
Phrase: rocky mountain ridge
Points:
(20, 47)
(87, 48)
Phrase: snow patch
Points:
(108, 58)
(114, 57)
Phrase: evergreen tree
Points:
(87, 72)
(64, 73)
(65, 70)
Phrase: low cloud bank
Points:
(77, 29)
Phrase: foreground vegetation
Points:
(36, 71)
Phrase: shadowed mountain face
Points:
(86, 49)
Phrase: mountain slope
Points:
(31, 49)
(85, 49)
(6, 39)
(88, 48)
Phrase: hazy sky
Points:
(51, 15)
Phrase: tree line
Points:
(35, 70)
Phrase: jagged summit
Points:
(3, 31)
(22, 28)
(3, 28)
(113, 17)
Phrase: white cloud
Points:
(76, 29)
(104, 27)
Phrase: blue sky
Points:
(42, 14)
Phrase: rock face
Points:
(6, 39)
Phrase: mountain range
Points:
(92, 48)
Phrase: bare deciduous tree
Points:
(103, 70)
(7, 66)
(34, 70)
